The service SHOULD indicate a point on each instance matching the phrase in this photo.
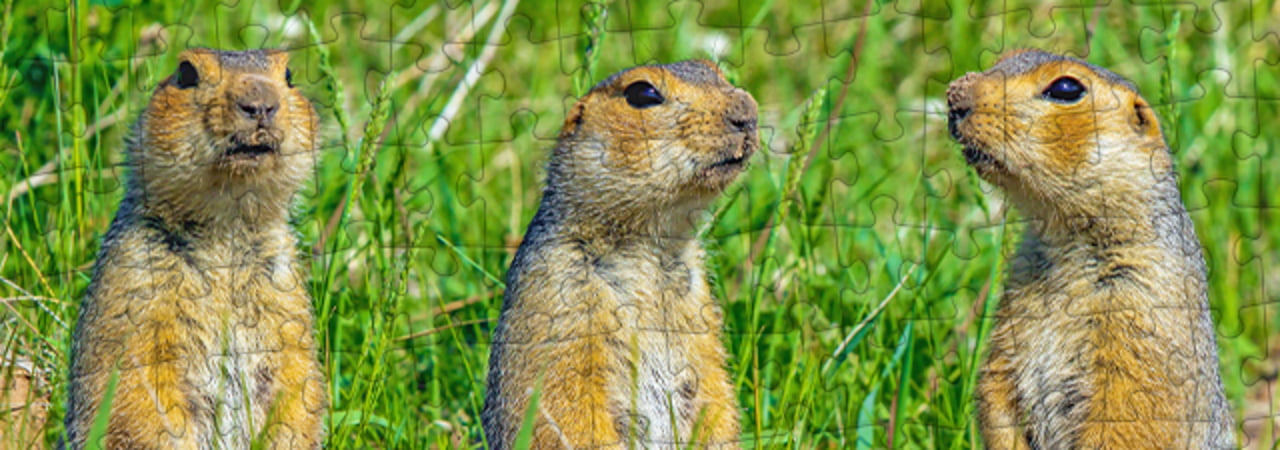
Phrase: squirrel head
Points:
(654, 138)
(1055, 130)
(225, 126)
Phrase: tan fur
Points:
(197, 299)
(1103, 337)
(25, 405)
(607, 309)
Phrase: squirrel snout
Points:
(743, 124)
(257, 101)
(261, 112)
(744, 115)
(954, 117)
(959, 103)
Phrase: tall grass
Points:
(857, 261)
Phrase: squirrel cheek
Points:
(628, 156)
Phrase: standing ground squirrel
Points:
(607, 312)
(197, 299)
(1103, 337)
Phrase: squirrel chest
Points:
(224, 311)
(654, 314)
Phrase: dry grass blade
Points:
(473, 73)
(444, 328)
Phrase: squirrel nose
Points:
(743, 116)
(954, 117)
(262, 112)
(959, 102)
(256, 99)
(743, 124)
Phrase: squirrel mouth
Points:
(729, 162)
(735, 160)
(243, 158)
(250, 146)
(249, 151)
(982, 161)
(976, 157)
(732, 161)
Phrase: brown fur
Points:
(1103, 337)
(197, 299)
(607, 310)
(25, 405)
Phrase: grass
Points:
(859, 229)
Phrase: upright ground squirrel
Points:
(197, 300)
(607, 312)
(1103, 337)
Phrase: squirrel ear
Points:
(1144, 120)
(573, 120)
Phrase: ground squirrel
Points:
(1103, 337)
(607, 310)
(196, 298)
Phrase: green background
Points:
(407, 233)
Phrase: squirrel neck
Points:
(1144, 219)
(230, 212)
(602, 229)
(1126, 197)
(596, 204)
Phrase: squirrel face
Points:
(224, 122)
(657, 136)
(1044, 126)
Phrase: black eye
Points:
(288, 77)
(187, 76)
(642, 95)
(1065, 89)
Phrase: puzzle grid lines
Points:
(437, 118)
